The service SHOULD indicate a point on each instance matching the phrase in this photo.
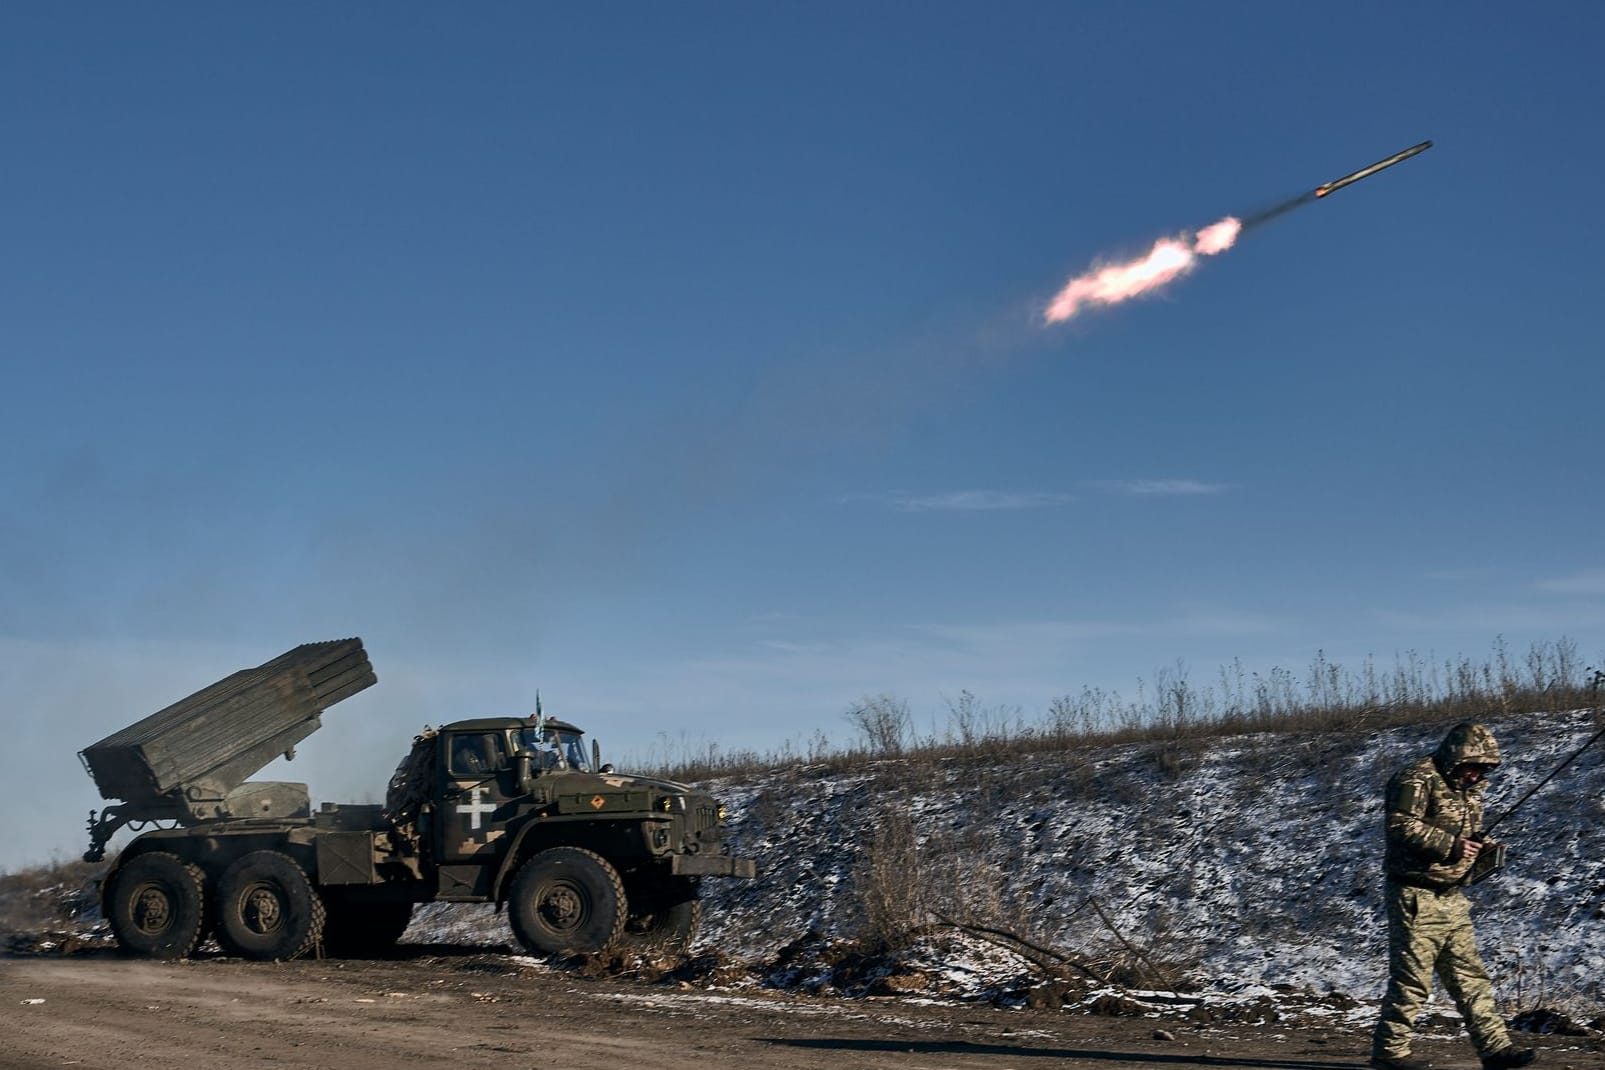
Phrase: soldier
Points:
(1434, 818)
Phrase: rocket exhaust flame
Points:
(1168, 259)
(1171, 258)
(1218, 237)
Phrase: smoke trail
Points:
(1271, 213)
(1168, 259)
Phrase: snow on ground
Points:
(1248, 866)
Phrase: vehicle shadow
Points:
(410, 952)
(962, 1047)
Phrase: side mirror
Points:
(596, 757)
(522, 769)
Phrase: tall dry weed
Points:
(1326, 697)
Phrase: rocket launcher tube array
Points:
(209, 743)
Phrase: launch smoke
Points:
(1167, 260)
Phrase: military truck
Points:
(504, 810)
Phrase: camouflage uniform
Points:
(1429, 919)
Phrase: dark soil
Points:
(468, 1008)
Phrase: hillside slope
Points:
(1239, 860)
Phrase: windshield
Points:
(555, 748)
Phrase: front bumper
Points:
(711, 866)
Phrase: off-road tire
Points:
(664, 915)
(156, 905)
(669, 930)
(360, 929)
(267, 909)
(567, 901)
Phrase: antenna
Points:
(1598, 680)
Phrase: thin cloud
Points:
(1163, 487)
(1590, 581)
(1577, 618)
(1457, 575)
(1205, 621)
(773, 618)
(967, 501)
(1046, 636)
(786, 646)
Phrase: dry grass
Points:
(891, 883)
(47, 896)
(1173, 713)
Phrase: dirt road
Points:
(470, 1011)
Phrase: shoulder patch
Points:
(1411, 797)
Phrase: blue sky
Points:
(684, 361)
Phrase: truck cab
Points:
(512, 795)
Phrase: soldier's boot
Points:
(1399, 1062)
(1508, 1057)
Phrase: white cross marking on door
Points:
(475, 808)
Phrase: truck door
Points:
(478, 786)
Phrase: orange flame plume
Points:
(1169, 258)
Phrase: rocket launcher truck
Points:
(512, 811)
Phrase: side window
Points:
(476, 753)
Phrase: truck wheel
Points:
(668, 929)
(267, 908)
(156, 905)
(567, 901)
(354, 929)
